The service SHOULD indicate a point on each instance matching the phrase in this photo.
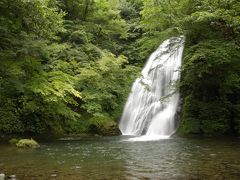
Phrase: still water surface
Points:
(116, 158)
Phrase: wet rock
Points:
(2, 176)
(53, 175)
(12, 177)
(212, 154)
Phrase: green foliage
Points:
(209, 118)
(27, 143)
(105, 84)
(58, 73)
(130, 11)
(210, 81)
(35, 18)
(211, 75)
(236, 114)
(95, 21)
(9, 116)
(190, 123)
(34, 96)
(103, 124)
(79, 126)
(79, 37)
(66, 66)
(57, 70)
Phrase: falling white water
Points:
(151, 106)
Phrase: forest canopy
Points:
(66, 66)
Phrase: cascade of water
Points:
(151, 106)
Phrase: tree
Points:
(211, 67)
(34, 96)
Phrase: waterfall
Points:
(152, 104)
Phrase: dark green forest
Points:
(67, 66)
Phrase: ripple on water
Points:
(108, 158)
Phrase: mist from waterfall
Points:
(150, 110)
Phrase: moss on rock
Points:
(27, 143)
(13, 141)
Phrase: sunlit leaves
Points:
(105, 84)
(54, 86)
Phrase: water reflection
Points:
(155, 159)
(115, 158)
(184, 159)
